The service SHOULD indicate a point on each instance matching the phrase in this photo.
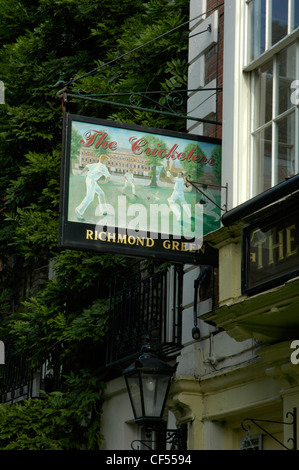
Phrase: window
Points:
(252, 442)
(269, 22)
(274, 71)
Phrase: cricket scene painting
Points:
(133, 181)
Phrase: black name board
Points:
(270, 251)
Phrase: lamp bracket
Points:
(176, 439)
(293, 422)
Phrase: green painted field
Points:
(148, 210)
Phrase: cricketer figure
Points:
(94, 172)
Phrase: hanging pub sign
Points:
(270, 251)
(124, 191)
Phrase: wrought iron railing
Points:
(16, 378)
(144, 303)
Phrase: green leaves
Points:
(36, 232)
(31, 124)
(60, 316)
(60, 421)
(44, 325)
(157, 35)
(92, 323)
(35, 224)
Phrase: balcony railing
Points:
(16, 378)
(145, 303)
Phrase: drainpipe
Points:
(203, 277)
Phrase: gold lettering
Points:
(166, 244)
(131, 240)
(111, 236)
(290, 239)
(278, 245)
(139, 241)
(259, 244)
(192, 247)
(122, 238)
(89, 235)
(202, 248)
(260, 254)
(149, 242)
(183, 246)
(175, 246)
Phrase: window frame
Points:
(252, 442)
(271, 53)
(268, 28)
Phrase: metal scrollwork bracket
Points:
(168, 101)
(293, 422)
(196, 185)
(176, 439)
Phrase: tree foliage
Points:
(61, 320)
(58, 421)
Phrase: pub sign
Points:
(270, 250)
(124, 190)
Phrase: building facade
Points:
(119, 162)
(236, 386)
(231, 326)
(249, 373)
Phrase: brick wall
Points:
(211, 64)
(214, 67)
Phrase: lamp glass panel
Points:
(154, 392)
(134, 389)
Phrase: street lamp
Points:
(148, 381)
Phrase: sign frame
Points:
(276, 220)
(83, 235)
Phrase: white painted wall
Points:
(236, 106)
(117, 418)
(215, 350)
(198, 104)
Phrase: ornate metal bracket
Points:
(176, 439)
(168, 103)
(293, 423)
(196, 185)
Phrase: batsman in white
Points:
(129, 180)
(178, 193)
(94, 172)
